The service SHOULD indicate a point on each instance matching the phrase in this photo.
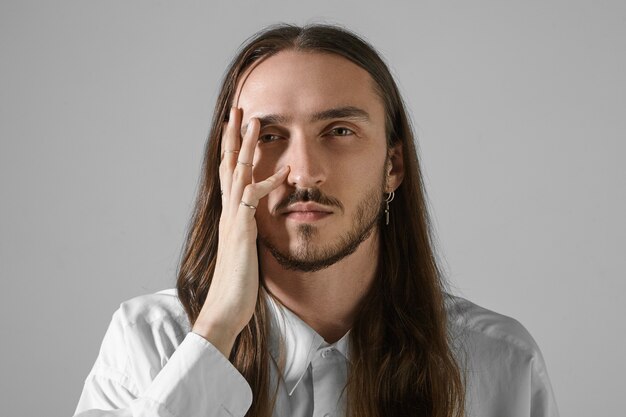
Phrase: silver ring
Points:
(247, 205)
(231, 151)
(244, 163)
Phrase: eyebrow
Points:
(345, 112)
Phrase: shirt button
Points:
(325, 354)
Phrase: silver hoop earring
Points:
(388, 200)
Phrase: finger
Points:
(229, 150)
(253, 193)
(231, 134)
(242, 174)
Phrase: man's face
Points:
(321, 116)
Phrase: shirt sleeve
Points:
(197, 380)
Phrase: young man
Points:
(308, 285)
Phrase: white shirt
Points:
(151, 364)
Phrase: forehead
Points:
(297, 83)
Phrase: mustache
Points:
(307, 195)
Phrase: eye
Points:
(341, 131)
(268, 138)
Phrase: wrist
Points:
(222, 337)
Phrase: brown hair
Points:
(401, 360)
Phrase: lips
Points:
(307, 216)
(306, 212)
(307, 208)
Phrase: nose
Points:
(307, 162)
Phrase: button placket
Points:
(329, 372)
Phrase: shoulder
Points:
(153, 322)
(143, 334)
(478, 325)
(502, 364)
(152, 309)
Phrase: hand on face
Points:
(231, 300)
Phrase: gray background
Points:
(520, 114)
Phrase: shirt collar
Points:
(299, 341)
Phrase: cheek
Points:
(269, 225)
(265, 165)
(362, 170)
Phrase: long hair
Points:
(402, 363)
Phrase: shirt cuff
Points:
(198, 380)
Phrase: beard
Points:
(309, 257)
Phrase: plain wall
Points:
(520, 112)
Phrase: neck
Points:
(327, 300)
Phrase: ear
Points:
(395, 167)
